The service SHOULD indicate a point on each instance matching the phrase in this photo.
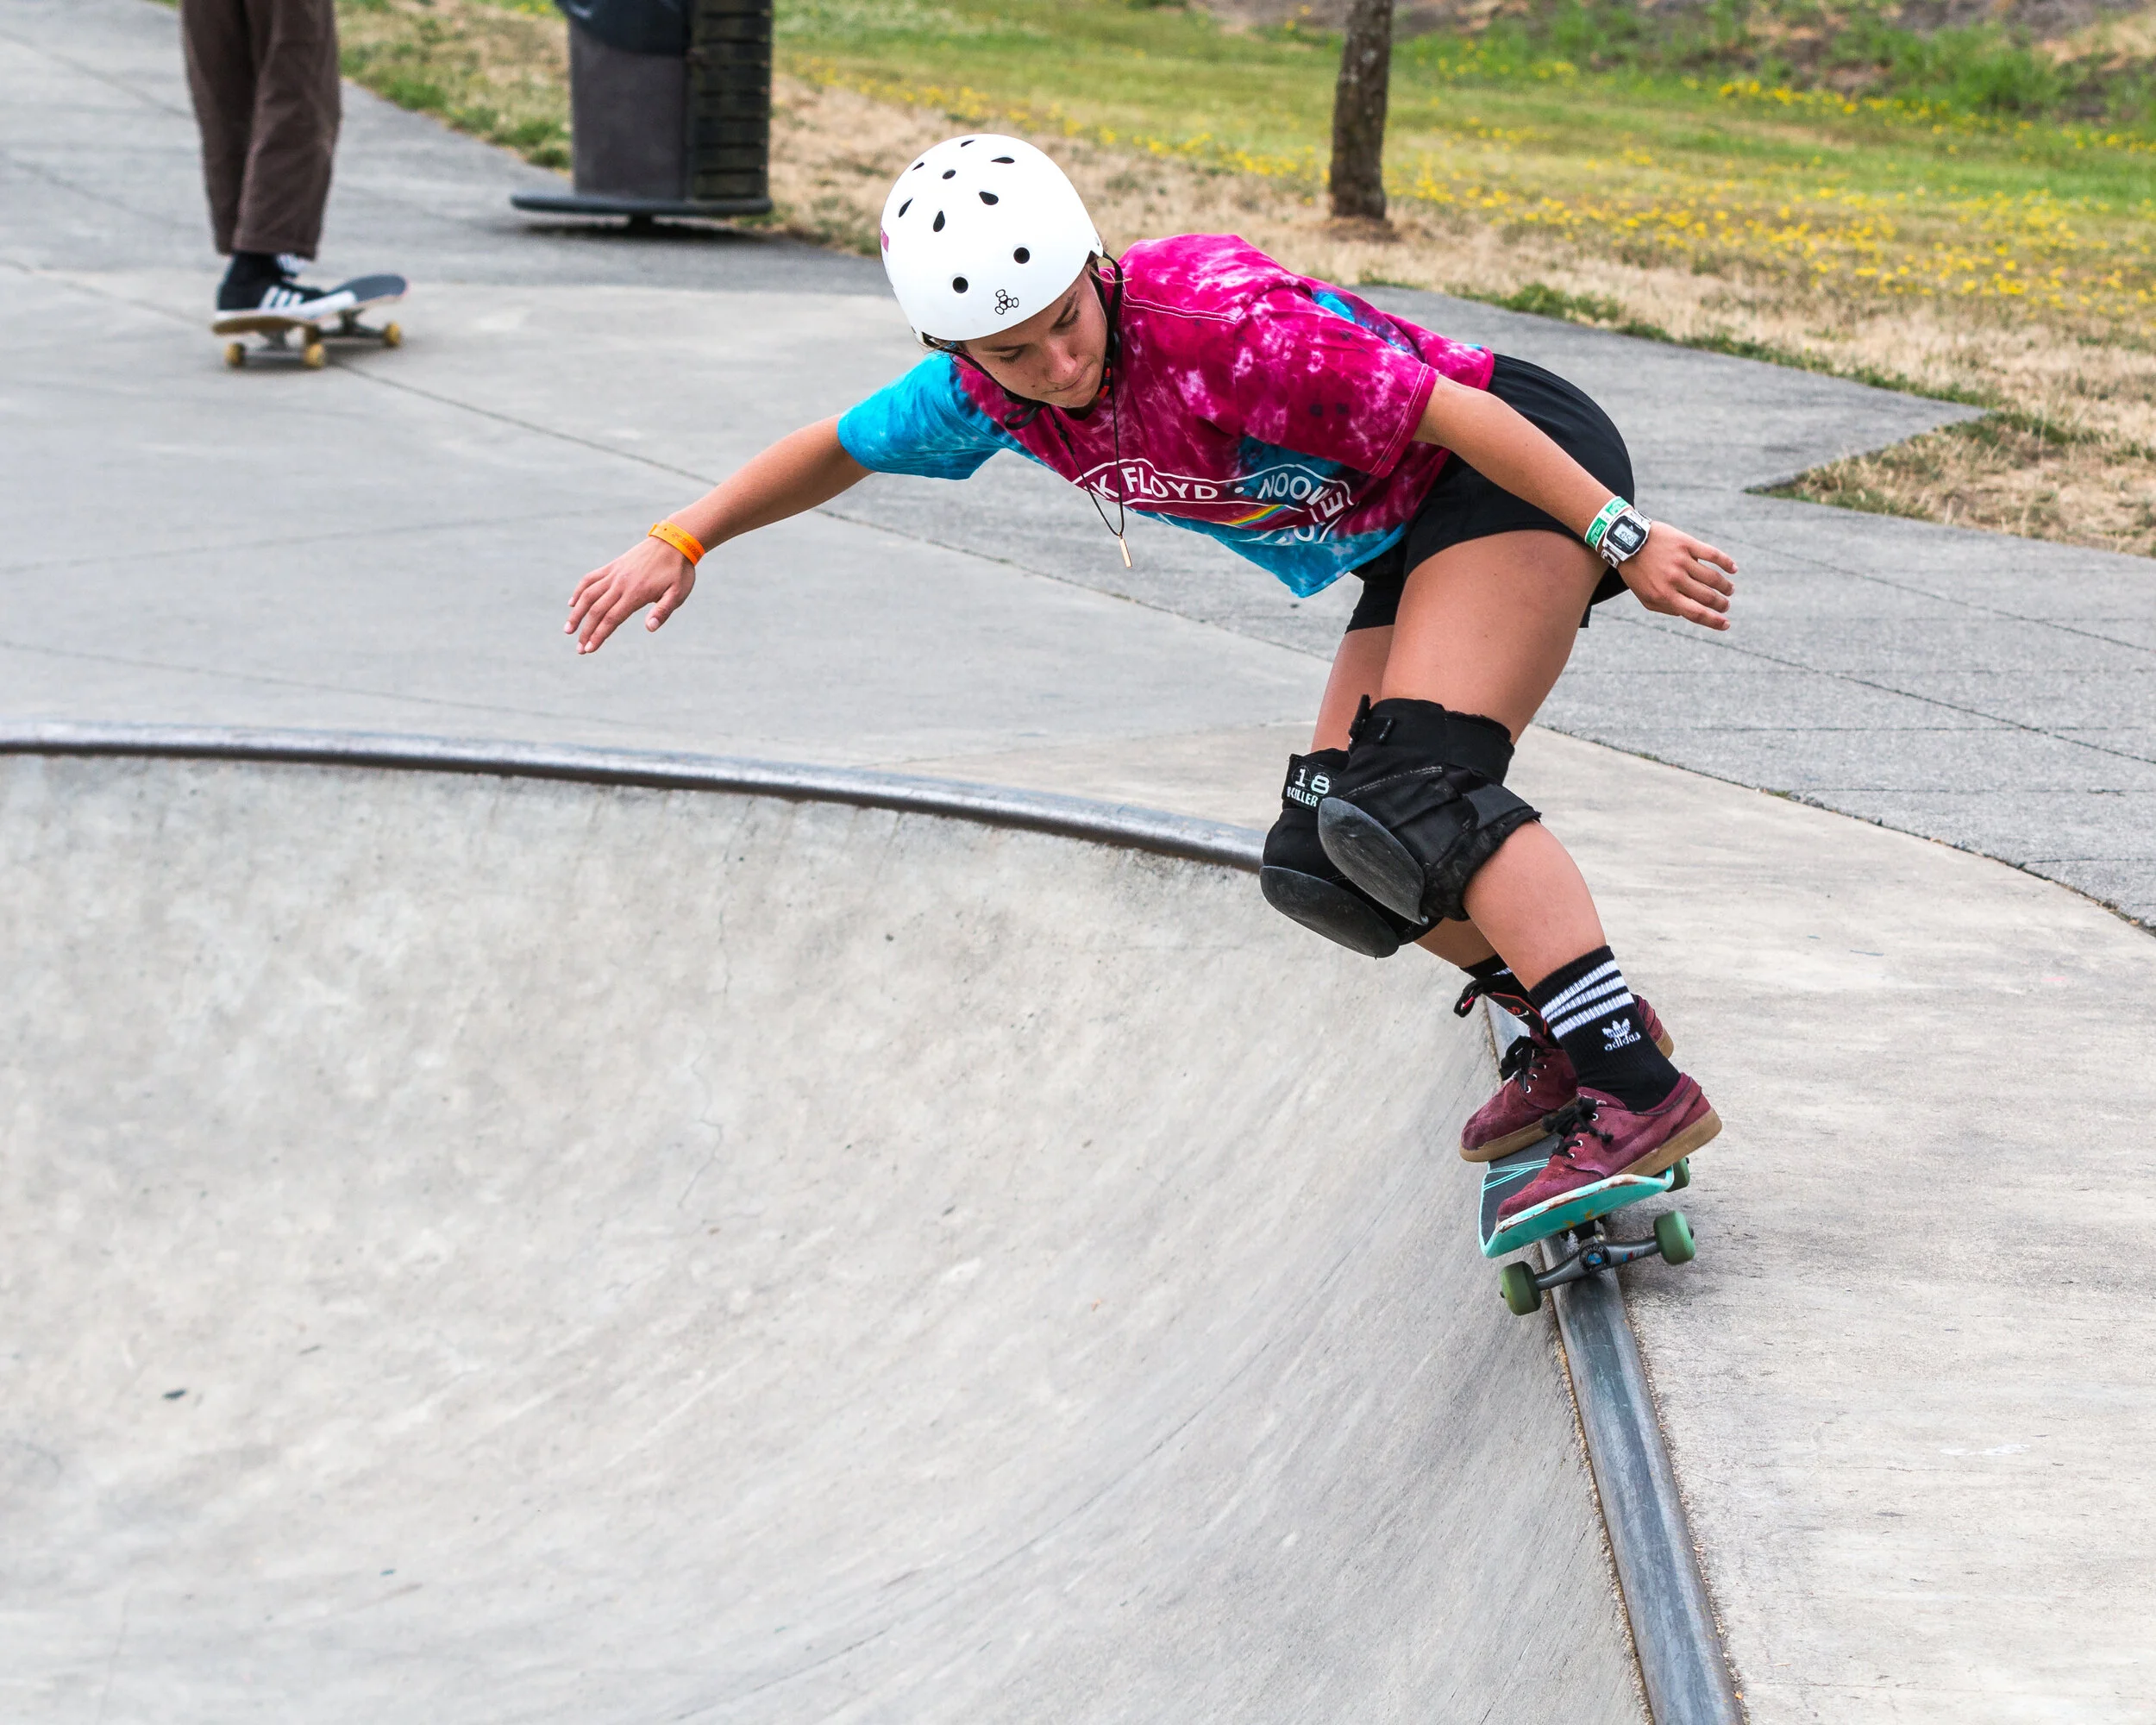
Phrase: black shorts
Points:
(1463, 505)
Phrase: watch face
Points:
(1626, 533)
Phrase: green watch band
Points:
(1615, 507)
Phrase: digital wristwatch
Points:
(1617, 532)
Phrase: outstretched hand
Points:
(1681, 576)
(651, 572)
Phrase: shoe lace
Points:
(1519, 1058)
(1574, 1123)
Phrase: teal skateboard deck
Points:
(1590, 1250)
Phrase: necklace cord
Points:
(1024, 410)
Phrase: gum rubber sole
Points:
(1362, 849)
(1505, 1146)
(1678, 1145)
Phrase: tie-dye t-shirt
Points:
(1262, 409)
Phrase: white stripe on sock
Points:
(1593, 1002)
(1578, 999)
(1564, 997)
(1600, 1009)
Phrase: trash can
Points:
(669, 109)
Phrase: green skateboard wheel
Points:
(1673, 1234)
(1681, 1175)
(1521, 1294)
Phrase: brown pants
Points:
(264, 75)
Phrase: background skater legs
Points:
(263, 78)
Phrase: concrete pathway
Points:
(1900, 1385)
(1994, 692)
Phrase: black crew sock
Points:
(252, 267)
(1591, 1014)
(248, 274)
(1494, 979)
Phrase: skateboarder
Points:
(263, 74)
(1483, 502)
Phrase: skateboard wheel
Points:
(313, 355)
(392, 335)
(1518, 1283)
(1673, 1234)
(1681, 1175)
(235, 354)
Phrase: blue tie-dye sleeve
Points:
(922, 424)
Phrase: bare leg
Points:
(1486, 627)
(1358, 669)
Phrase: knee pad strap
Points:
(1421, 806)
(1301, 881)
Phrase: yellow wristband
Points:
(686, 543)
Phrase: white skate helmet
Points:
(981, 233)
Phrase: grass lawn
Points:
(1906, 235)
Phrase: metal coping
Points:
(1681, 1659)
(1123, 823)
(1681, 1662)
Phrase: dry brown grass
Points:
(2074, 459)
(2005, 476)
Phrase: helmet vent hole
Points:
(936, 226)
(988, 197)
(950, 174)
(918, 166)
(1008, 161)
(1020, 256)
(906, 206)
(958, 284)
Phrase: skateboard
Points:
(1590, 1250)
(340, 323)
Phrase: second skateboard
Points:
(303, 331)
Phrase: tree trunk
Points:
(1358, 112)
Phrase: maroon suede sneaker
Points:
(1605, 1142)
(1539, 1081)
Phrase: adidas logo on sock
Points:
(1618, 1033)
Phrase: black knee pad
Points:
(1299, 879)
(1421, 807)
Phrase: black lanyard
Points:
(1028, 410)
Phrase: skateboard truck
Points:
(312, 352)
(1594, 1253)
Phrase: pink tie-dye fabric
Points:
(1266, 410)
